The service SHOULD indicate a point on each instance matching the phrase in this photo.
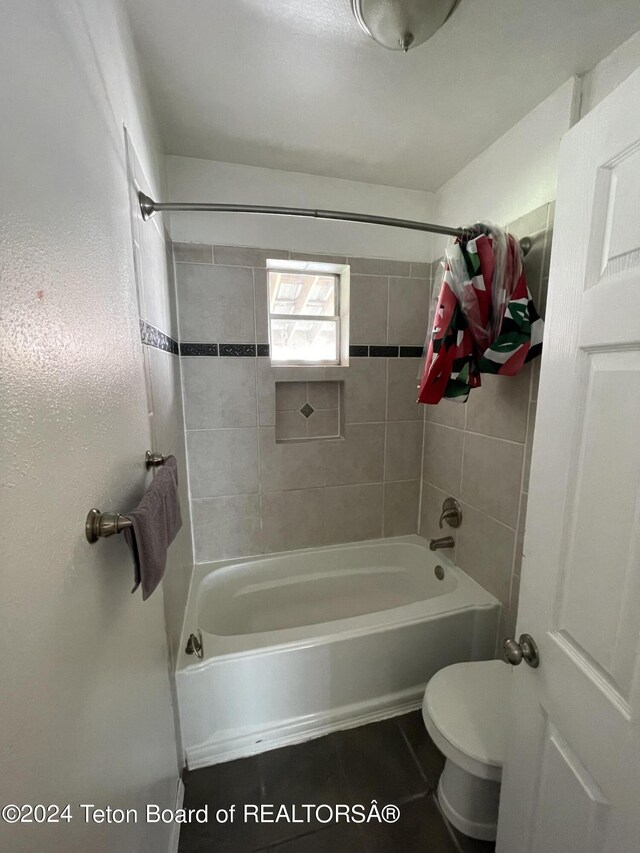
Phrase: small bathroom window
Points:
(308, 312)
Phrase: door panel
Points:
(571, 781)
(598, 589)
(621, 232)
(580, 824)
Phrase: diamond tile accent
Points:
(307, 410)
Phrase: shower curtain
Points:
(485, 320)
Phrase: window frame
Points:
(340, 274)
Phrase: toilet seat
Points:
(466, 712)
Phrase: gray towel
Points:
(156, 521)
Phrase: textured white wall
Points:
(86, 709)
(190, 179)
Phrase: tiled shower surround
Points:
(480, 453)
(252, 494)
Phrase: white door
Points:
(571, 782)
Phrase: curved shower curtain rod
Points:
(148, 207)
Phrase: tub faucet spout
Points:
(443, 542)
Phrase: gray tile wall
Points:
(480, 453)
(251, 494)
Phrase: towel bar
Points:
(99, 525)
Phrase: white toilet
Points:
(466, 712)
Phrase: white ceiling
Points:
(296, 85)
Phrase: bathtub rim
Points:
(379, 621)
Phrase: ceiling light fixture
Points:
(402, 24)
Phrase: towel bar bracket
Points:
(99, 525)
(153, 460)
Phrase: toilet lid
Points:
(469, 704)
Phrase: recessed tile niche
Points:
(308, 410)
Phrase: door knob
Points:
(525, 649)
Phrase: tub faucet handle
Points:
(194, 645)
(451, 513)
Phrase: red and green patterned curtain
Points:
(485, 320)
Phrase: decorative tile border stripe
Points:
(262, 351)
(226, 350)
(383, 351)
(153, 337)
(237, 350)
(199, 349)
(357, 351)
(379, 351)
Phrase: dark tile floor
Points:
(393, 761)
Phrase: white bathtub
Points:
(302, 643)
